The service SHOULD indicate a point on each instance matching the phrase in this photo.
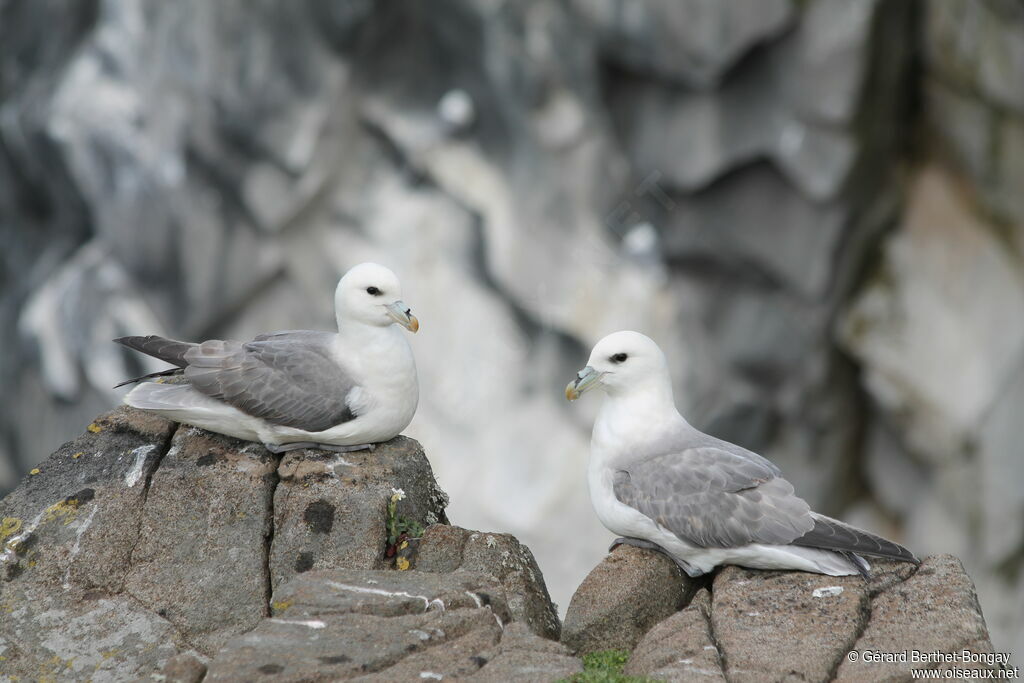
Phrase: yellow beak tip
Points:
(571, 393)
(414, 324)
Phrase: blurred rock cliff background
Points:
(816, 207)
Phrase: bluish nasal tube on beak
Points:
(403, 315)
(586, 379)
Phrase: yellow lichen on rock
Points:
(94, 428)
(34, 471)
(66, 510)
(402, 564)
(9, 526)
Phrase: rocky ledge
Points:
(144, 549)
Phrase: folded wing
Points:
(288, 379)
(714, 498)
(831, 534)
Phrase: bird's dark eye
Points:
(618, 358)
(373, 290)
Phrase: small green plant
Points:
(399, 528)
(604, 666)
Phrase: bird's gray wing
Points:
(712, 497)
(286, 379)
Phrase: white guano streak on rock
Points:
(331, 467)
(308, 623)
(700, 671)
(77, 545)
(432, 675)
(8, 555)
(135, 473)
(480, 603)
(827, 592)
(427, 601)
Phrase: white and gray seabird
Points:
(662, 484)
(298, 388)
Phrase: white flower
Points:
(397, 494)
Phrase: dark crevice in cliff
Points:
(162, 448)
(268, 539)
(710, 619)
(864, 618)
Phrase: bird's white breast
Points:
(619, 433)
(380, 362)
(383, 366)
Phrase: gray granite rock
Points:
(330, 509)
(1009, 171)
(201, 558)
(183, 668)
(898, 480)
(681, 647)
(105, 638)
(966, 125)
(65, 545)
(693, 42)
(447, 548)
(979, 45)
(153, 562)
(524, 656)
(1002, 506)
(772, 107)
(769, 624)
(374, 625)
(794, 249)
(128, 547)
(621, 598)
(935, 609)
(75, 518)
(909, 325)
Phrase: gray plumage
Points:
(714, 494)
(286, 378)
(714, 498)
(831, 534)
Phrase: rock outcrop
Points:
(449, 548)
(751, 625)
(144, 544)
(391, 626)
(144, 549)
(623, 597)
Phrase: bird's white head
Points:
(371, 294)
(621, 363)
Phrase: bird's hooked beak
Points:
(586, 379)
(402, 315)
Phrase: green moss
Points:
(605, 667)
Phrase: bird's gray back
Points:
(711, 493)
(289, 378)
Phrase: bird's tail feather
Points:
(831, 534)
(857, 561)
(167, 350)
(163, 373)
